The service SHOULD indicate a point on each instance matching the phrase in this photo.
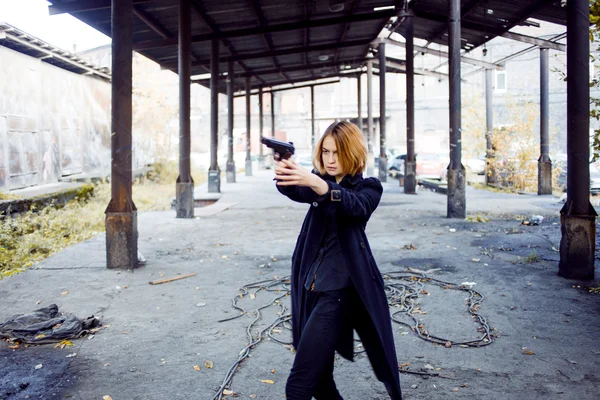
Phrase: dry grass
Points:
(28, 238)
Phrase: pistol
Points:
(284, 149)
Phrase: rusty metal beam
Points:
(289, 50)
(83, 6)
(269, 29)
(215, 30)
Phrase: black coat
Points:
(351, 202)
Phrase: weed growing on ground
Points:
(532, 258)
(28, 238)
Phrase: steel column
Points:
(370, 160)
(578, 217)
(261, 117)
(382, 134)
(544, 162)
(230, 161)
(214, 173)
(313, 136)
(456, 171)
(490, 173)
(121, 214)
(273, 115)
(410, 165)
(185, 185)
(359, 103)
(248, 126)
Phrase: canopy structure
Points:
(259, 46)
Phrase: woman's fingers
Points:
(286, 177)
(287, 183)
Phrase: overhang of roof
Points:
(283, 41)
(18, 40)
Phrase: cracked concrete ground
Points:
(157, 334)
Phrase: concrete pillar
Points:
(184, 197)
(230, 160)
(369, 136)
(410, 165)
(490, 173)
(382, 134)
(248, 126)
(544, 162)
(578, 217)
(456, 171)
(121, 214)
(214, 173)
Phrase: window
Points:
(500, 86)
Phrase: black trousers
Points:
(312, 372)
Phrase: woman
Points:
(336, 285)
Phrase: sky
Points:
(64, 31)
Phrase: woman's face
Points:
(330, 158)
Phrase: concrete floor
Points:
(158, 333)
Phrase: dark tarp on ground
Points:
(47, 321)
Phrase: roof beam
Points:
(151, 44)
(83, 6)
(242, 94)
(465, 10)
(267, 36)
(76, 62)
(440, 53)
(294, 68)
(543, 43)
(345, 29)
(290, 50)
(151, 22)
(215, 29)
(401, 65)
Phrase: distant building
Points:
(54, 112)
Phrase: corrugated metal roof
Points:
(18, 40)
(273, 40)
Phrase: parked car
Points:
(396, 166)
(429, 166)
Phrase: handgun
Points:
(283, 150)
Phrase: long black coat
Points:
(351, 202)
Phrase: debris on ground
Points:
(171, 279)
(46, 325)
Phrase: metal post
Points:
(410, 165)
(456, 171)
(370, 159)
(578, 217)
(185, 184)
(382, 134)
(230, 161)
(490, 173)
(273, 115)
(248, 126)
(544, 162)
(121, 214)
(359, 102)
(214, 173)
(261, 117)
(272, 159)
(313, 135)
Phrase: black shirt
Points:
(328, 270)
